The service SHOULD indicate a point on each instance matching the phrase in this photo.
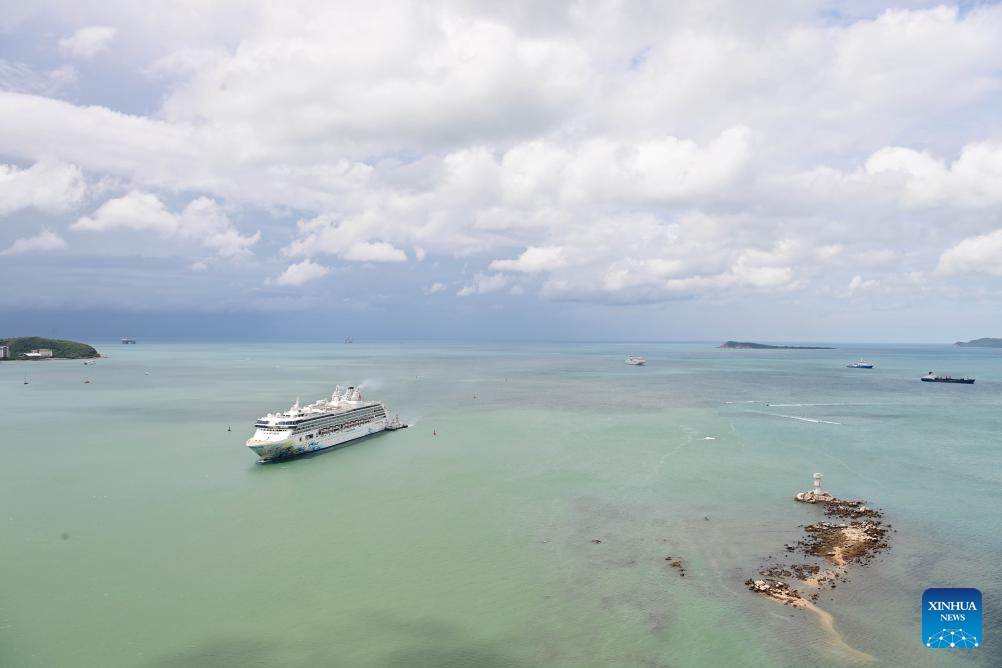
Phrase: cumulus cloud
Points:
(43, 242)
(48, 186)
(373, 251)
(301, 272)
(922, 180)
(892, 286)
(980, 254)
(484, 200)
(483, 284)
(87, 42)
(673, 153)
(417, 77)
(354, 239)
(202, 220)
(161, 155)
(917, 178)
(533, 260)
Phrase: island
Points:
(980, 343)
(855, 535)
(40, 348)
(764, 346)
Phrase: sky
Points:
(783, 170)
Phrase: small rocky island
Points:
(837, 544)
(980, 343)
(765, 346)
(40, 348)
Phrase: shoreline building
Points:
(39, 353)
(4, 352)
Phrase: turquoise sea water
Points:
(137, 531)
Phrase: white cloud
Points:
(19, 77)
(48, 186)
(610, 152)
(350, 239)
(137, 211)
(202, 220)
(484, 284)
(971, 180)
(301, 272)
(533, 260)
(87, 42)
(916, 178)
(373, 251)
(850, 83)
(308, 78)
(858, 283)
(435, 287)
(895, 286)
(980, 254)
(43, 242)
(659, 169)
(161, 155)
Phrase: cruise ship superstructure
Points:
(326, 423)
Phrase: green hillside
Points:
(61, 349)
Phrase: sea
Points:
(527, 517)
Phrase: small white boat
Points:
(860, 365)
(636, 360)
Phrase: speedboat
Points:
(859, 365)
(636, 360)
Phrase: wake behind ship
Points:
(326, 423)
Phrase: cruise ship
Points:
(326, 423)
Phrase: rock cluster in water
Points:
(837, 543)
(778, 590)
(677, 564)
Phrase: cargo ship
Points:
(936, 378)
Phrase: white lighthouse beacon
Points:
(814, 495)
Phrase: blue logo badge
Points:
(951, 618)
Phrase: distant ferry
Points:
(326, 423)
(936, 378)
(128, 340)
(859, 365)
(636, 360)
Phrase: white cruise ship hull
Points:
(268, 450)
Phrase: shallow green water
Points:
(137, 531)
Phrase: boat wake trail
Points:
(837, 404)
(796, 417)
